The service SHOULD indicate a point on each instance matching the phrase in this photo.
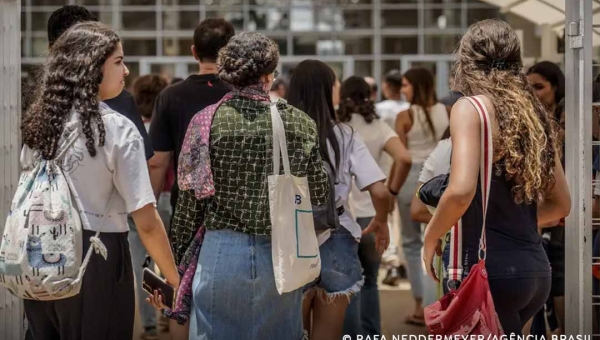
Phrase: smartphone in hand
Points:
(152, 282)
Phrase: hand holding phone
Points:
(167, 293)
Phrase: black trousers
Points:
(105, 307)
(517, 300)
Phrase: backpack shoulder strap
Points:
(66, 143)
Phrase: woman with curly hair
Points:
(528, 185)
(234, 291)
(357, 110)
(420, 128)
(108, 173)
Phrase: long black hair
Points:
(311, 90)
(555, 76)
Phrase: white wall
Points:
(11, 310)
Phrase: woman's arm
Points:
(402, 163)
(378, 225)
(558, 204)
(403, 125)
(464, 173)
(154, 237)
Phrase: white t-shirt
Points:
(355, 162)
(420, 141)
(438, 162)
(119, 168)
(388, 110)
(374, 135)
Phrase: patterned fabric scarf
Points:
(194, 173)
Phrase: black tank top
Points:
(514, 247)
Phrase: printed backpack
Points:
(41, 247)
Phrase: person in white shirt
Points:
(358, 111)
(312, 89)
(420, 128)
(389, 108)
(107, 168)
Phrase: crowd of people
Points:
(138, 151)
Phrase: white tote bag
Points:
(295, 250)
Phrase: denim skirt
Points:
(235, 295)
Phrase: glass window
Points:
(167, 71)
(477, 14)
(23, 21)
(192, 69)
(134, 72)
(357, 19)
(91, 2)
(400, 1)
(221, 2)
(272, 19)
(138, 21)
(444, 1)
(312, 45)
(180, 20)
(49, 2)
(105, 17)
(324, 19)
(139, 47)
(39, 46)
(138, 2)
(363, 68)
(400, 18)
(269, 2)
(235, 18)
(39, 21)
(282, 44)
(443, 18)
(354, 2)
(357, 45)
(400, 45)
(389, 65)
(441, 44)
(177, 46)
(182, 2)
(23, 51)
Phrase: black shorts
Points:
(105, 307)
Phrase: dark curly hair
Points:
(355, 98)
(488, 62)
(70, 80)
(145, 91)
(246, 58)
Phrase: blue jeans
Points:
(234, 293)
(138, 257)
(410, 231)
(363, 314)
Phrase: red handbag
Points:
(469, 310)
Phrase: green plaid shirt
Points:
(241, 151)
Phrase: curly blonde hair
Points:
(488, 62)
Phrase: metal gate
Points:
(578, 108)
